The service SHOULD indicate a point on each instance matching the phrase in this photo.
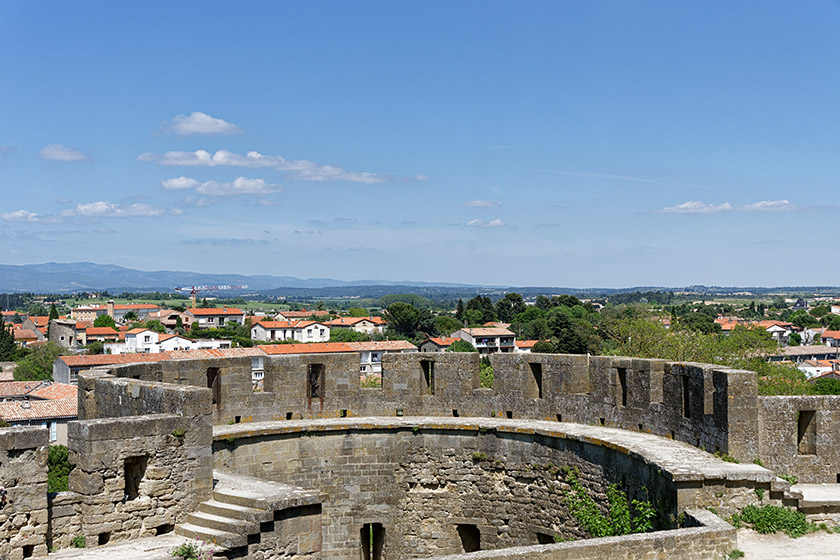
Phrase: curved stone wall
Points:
(424, 480)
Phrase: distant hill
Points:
(85, 276)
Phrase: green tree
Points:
(130, 316)
(795, 339)
(510, 306)
(543, 303)
(358, 312)
(461, 346)
(543, 347)
(446, 324)
(37, 365)
(105, 321)
(53, 312)
(402, 318)
(484, 305)
(96, 347)
(459, 310)
(7, 344)
(827, 386)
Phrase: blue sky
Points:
(580, 144)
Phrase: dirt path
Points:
(820, 545)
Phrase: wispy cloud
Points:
(769, 206)
(481, 223)
(698, 207)
(179, 183)
(27, 216)
(6, 150)
(199, 123)
(105, 209)
(664, 181)
(298, 170)
(240, 185)
(482, 204)
(58, 152)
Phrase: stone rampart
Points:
(708, 406)
(429, 479)
(23, 474)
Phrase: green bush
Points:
(619, 519)
(58, 465)
(771, 519)
(78, 541)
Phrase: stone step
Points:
(241, 498)
(234, 511)
(221, 523)
(221, 539)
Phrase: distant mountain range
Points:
(60, 278)
(85, 276)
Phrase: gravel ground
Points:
(820, 545)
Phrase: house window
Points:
(147, 338)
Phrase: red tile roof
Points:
(830, 334)
(376, 345)
(286, 324)
(56, 391)
(306, 348)
(101, 331)
(25, 334)
(443, 340)
(302, 314)
(93, 360)
(18, 388)
(38, 410)
(488, 332)
(350, 321)
(525, 343)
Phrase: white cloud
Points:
(769, 206)
(199, 123)
(697, 207)
(105, 209)
(240, 185)
(32, 217)
(57, 152)
(6, 150)
(482, 204)
(480, 223)
(179, 183)
(299, 170)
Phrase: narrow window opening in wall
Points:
(686, 401)
(164, 529)
(399, 412)
(807, 432)
(470, 537)
(28, 550)
(559, 417)
(455, 412)
(373, 541)
(544, 538)
(536, 380)
(135, 470)
(288, 416)
(315, 381)
(622, 384)
(103, 539)
(641, 428)
(838, 478)
(602, 421)
(509, 413)
(214, 383)
(343, 413)
(237, 419)
(428, 368)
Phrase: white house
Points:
(367, 325)
(215, 317)
(147, 341)
(300, 331)
(488, 340)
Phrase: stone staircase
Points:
(228, 520)
(241, 512)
